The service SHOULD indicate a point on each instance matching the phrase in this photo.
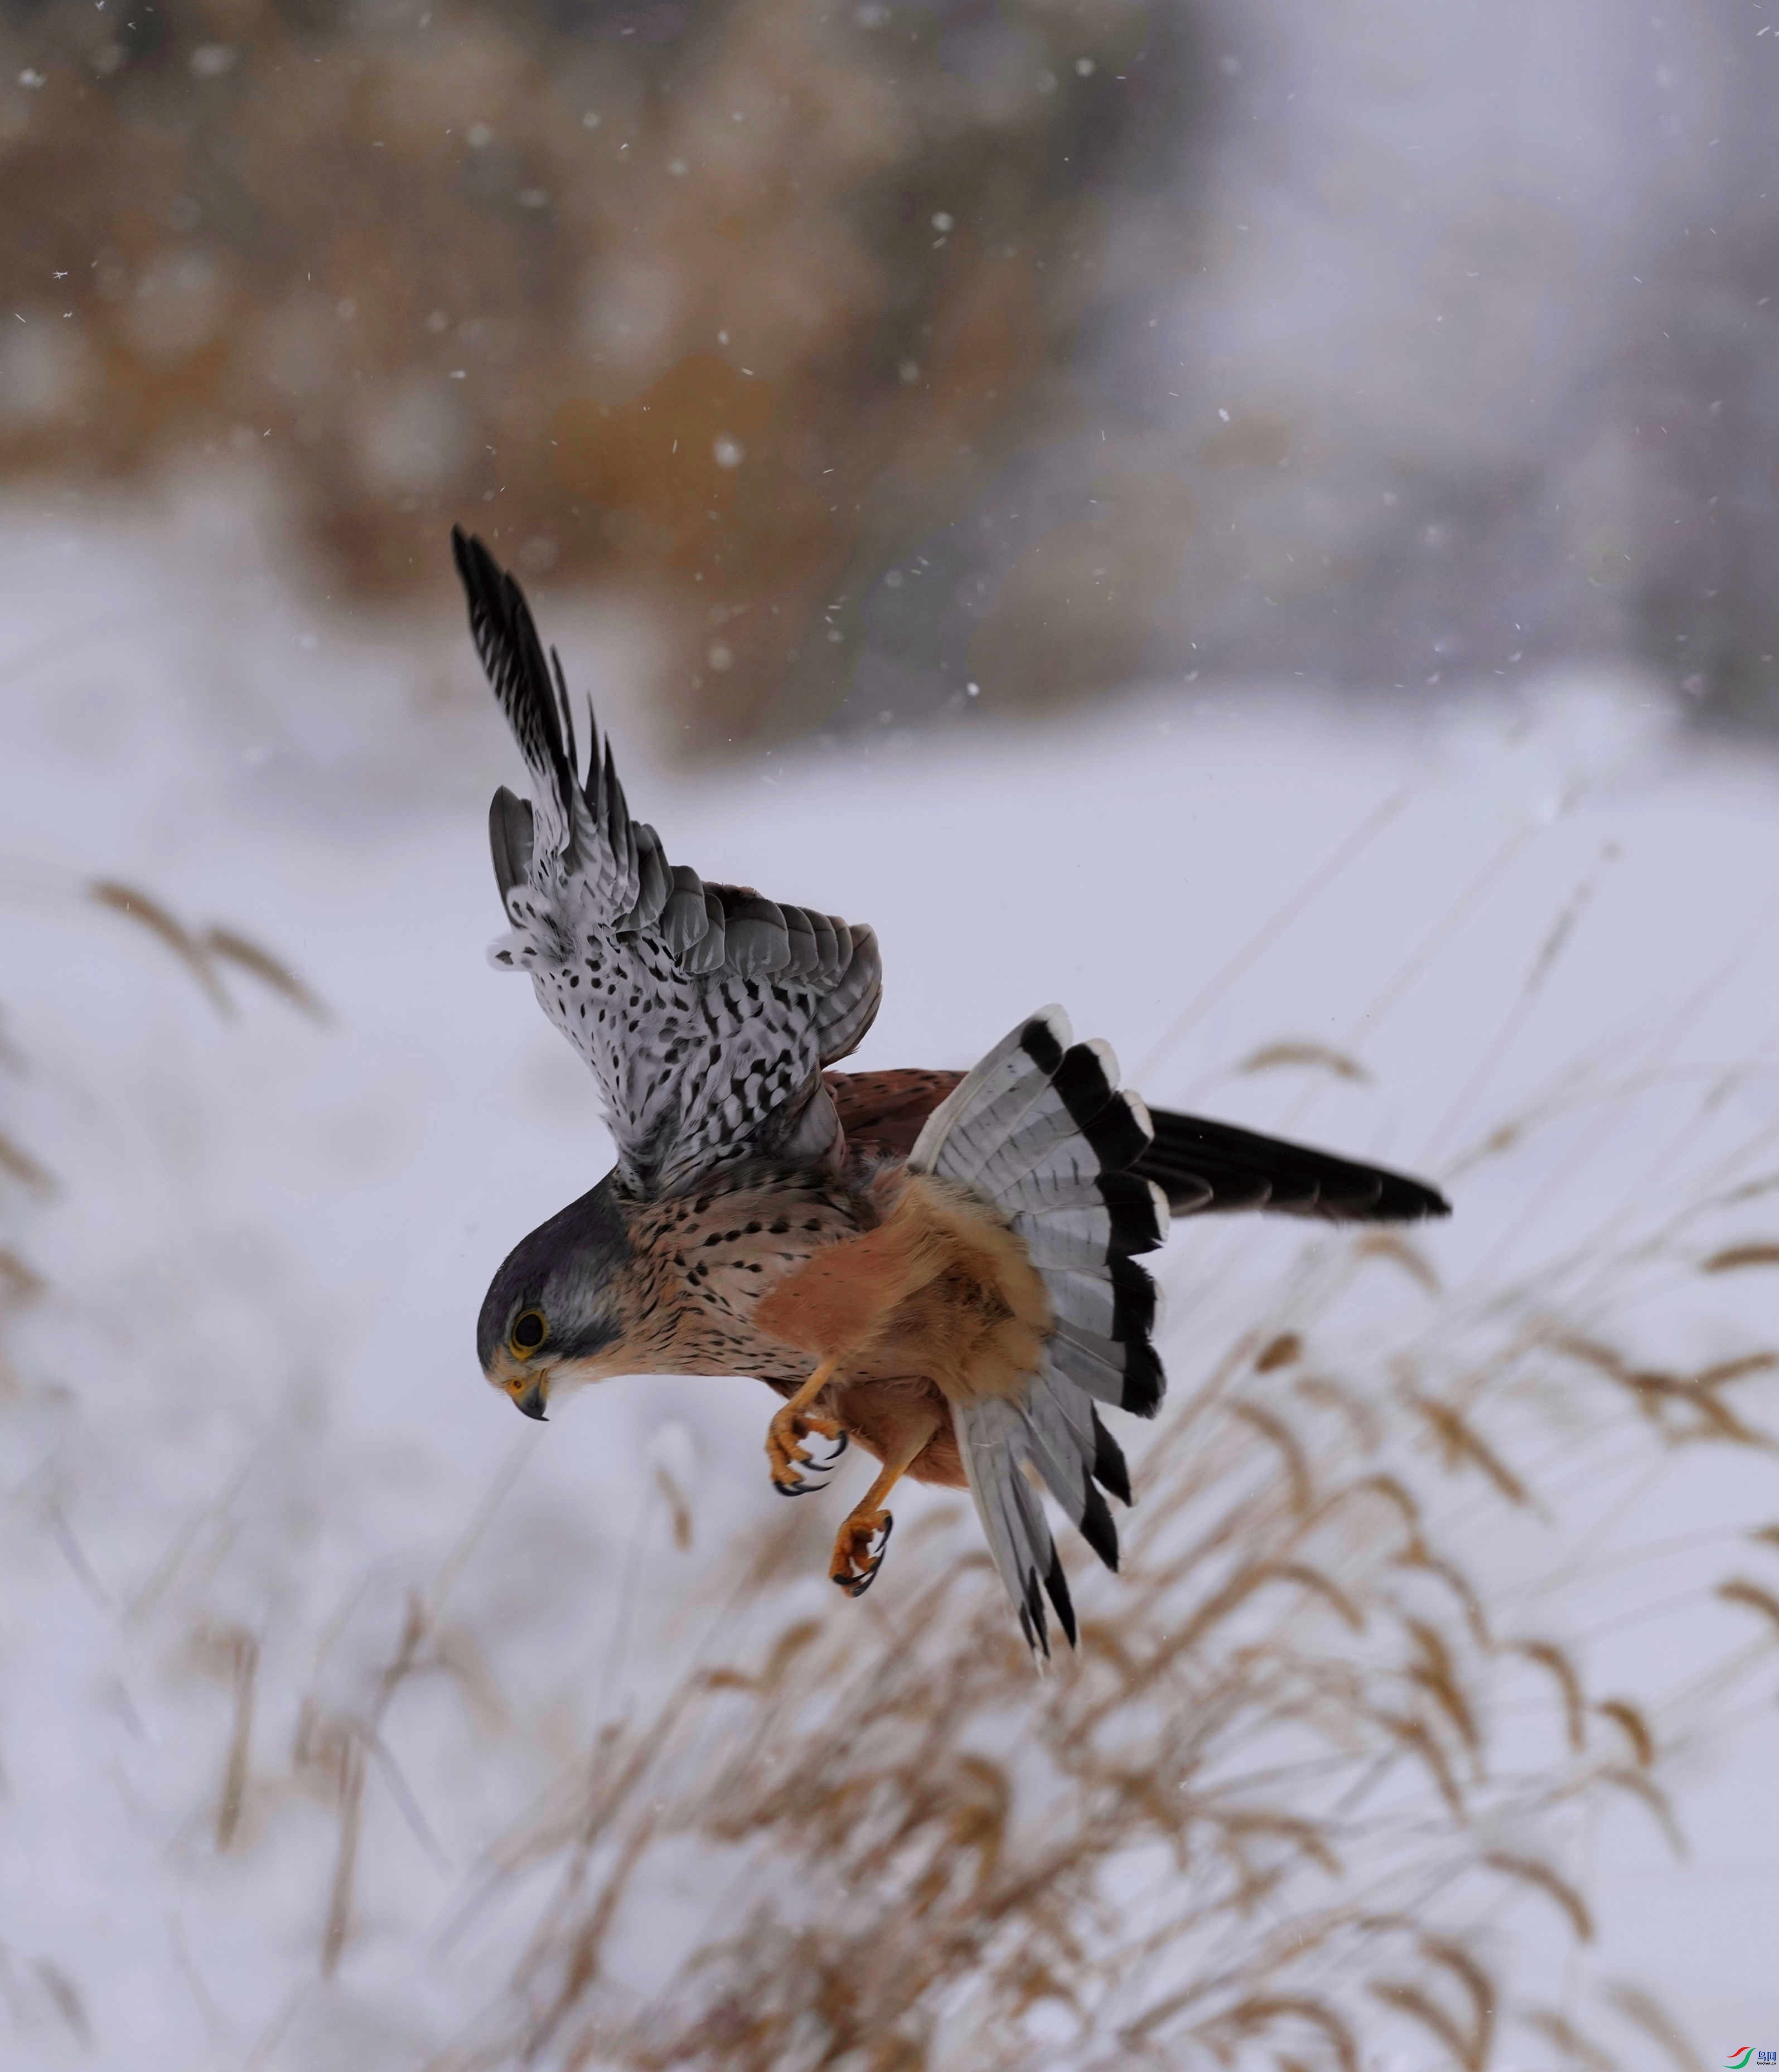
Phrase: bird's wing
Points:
(1041, 1129)
(1203, 1168)
(706, 1011)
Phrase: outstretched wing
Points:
(1203, 1168)
(706, 1011)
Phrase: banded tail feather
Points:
(1203, 1168)
(1042, 1129)
(1206, 1167)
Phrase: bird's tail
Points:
(1041, 1129)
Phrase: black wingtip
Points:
(1032, 1623)
(480, 579)
(1080, 1082)
(1145, 1384)
(1133, 1296)
(487, 586)
(477, 570)
(1038, 1040)
(1097, 1526)
(1135, 1225)
(505, 634)
(1109, 1470)
(1055, 1586)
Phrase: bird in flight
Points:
(941, 1266)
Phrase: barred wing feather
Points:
(1041, 1130)
(706, 1012)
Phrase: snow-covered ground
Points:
(243, 1424)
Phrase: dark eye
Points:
(528, 1331)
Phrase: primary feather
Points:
(1042, 1129)
(706, 1012)
(1086, 1176)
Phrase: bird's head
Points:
(553, 1315)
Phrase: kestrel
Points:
(942, 1266)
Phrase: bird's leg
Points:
(793, 1423)
(859, 1545)
(832, 1306)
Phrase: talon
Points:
(786, 1453)
(855, 1563)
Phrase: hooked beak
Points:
(531, 1401)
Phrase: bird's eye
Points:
(528, 1331)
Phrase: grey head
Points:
(554, 1315)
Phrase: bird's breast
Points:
(704, 1263)
(940, 1288)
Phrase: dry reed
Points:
(1258, 1822)
(1283, 1810)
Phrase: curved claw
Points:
(840, 1444)
(786, 1453)
(854, 1568)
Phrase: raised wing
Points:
(706, 1011)
(1203, 1168)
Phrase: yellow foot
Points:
(859, 1551)
(786, 1455)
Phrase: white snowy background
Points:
(1508, 922)
(243, 1419)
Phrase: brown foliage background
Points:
(716, 307)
